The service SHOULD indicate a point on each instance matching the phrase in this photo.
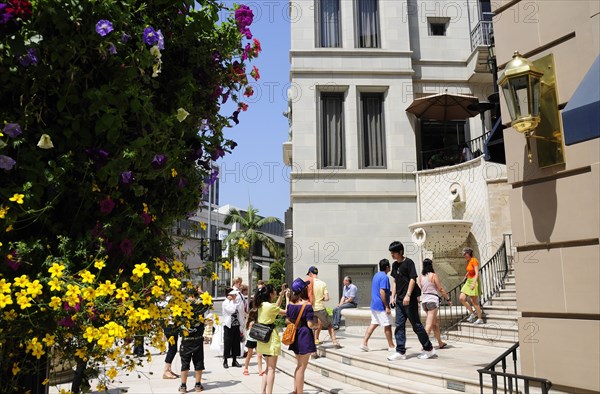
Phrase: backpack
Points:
(289, 334)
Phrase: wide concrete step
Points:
(493, 337)
(500, 309)
(512, 292)
(502, 301)
(491, 330)
(287, 365)
(506, 320)
(453, 368)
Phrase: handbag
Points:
(289, 334)
(261, 332)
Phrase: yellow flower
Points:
(55, 303)
(15, 369)
(142, 314)
(99, 264)
(22, 281)
(159, 280)
(243, 244)
(227, 265)
(122, 295)
(176, 310)
(206, 298)
(214, 276)
(157, 291)
(5, 299)
(56, 271)
(3, 211)
(106, 288)
(4, 286)
(173, 173)
(95, 187)
(112, 373)
(55, 284)
(203, 226)
(36, 348)
(172, 340)
(182, 114)
(162, 265)
(145, 207)
(81, 353)
(87, 276)
(89, 294)
(18, 198)
(34, 288)
(216, 319)
(174, 283)
(140, 270)
(89, 334)
(177, 266)
(49, 340)
(9, 228)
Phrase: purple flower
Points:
(161, 40)
(29, 58)
(217, 153)
(126, 247)
(7, 163)
(159, 161)
(150, 36)
(66, 322)
(182, 183)
(5, 16)
(126, 177)
(146, 218)
(107, 205)
(216, 57)
(11, 261)
(103, 27)
(125, 37)
(244, 17)
(213, 176)
(235, 117)
(112, 49)
(99, 156)
(13, 130)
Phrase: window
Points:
(332, 130)
(438, 26)
(367, 23)
(328, 24)
(372, 131)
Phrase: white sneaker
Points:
(472, 318)
(426, 354)
(391, 349)
(479, 321)
(364, 348)
(397, 356)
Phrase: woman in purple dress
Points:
(304, 342)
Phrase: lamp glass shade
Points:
(535, 96)
(520, 95)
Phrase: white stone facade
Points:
(349, 215)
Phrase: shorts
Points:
(381, 318)
(429, 306)
(324, 317)
(192, 350)
(251, 344)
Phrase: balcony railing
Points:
(452, 155)
(482, 35)
(511, 382)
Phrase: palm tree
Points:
(249, 233)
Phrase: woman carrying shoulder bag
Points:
(268, 309)
(304, 342)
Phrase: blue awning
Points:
(581, 116)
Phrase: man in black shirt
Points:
(405, 294)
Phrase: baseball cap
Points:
(298, 284)
(313, 270)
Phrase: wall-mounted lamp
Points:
(529, 89)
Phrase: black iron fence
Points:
(511, 382)
(451, 155)
(492, 276)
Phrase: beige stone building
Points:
(555, 208)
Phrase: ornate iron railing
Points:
(511, 382)
(482, 35)
(452, 155)
(492, 276)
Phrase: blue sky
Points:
(254, 171)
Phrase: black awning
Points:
(581, 116)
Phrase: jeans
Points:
(410, 312)
(337, 312)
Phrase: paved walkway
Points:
(215, 378)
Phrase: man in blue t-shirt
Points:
(380, 306)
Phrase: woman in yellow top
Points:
(267, 313)
(471, 288)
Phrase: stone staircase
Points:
(501, 320)
(453, 369)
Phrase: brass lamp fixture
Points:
(529, 89)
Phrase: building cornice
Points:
(353, 196)
(333, 174)
(329, 72)
(368, 53)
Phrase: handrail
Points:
(451, 155)
(510, 380)
(492, 276)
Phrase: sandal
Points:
(444, 344)
(246, 373)
(337, 344)
(169, 375)
(261, 373)
(198, 387)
